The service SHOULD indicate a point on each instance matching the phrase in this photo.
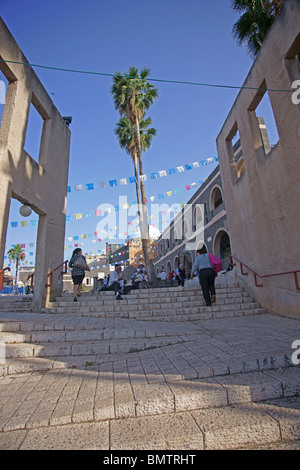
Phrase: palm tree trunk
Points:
(144, 228)
(140, 206)
(16, 281)
(136, 174)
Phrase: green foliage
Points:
(255, 22)
(16, 253)
(133, 95)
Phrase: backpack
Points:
(216, 263)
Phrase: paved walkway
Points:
(223, 383)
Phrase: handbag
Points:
(81, 264)
(215, 262)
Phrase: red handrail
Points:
(31, 282)
(65, 264)
(2, 276)
(256, 275)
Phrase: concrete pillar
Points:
(41, 184)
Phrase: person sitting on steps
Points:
(115, 279)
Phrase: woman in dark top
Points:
(181, 275)
(77, 273)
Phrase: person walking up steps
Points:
(77, 273)
(207, 275)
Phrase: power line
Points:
(178, 82)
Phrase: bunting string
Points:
(146, 177)
(104, 235)
(98, 212)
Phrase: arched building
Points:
(203, 220)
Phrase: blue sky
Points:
(184, 41)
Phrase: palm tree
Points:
(17, 253)
(255, 22)
(126, 137)
(127, 140)
(146, 136)
(133, 95)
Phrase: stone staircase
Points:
(55, 340)
(166, 304)
(162, 368)
(15, 303)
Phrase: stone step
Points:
(124, 306)
(267, 425)
(149, 293)
(87, 348)
(15, 308)
(196, 360)
(168, 302)
(236, 404)
(178, 313)
(191, 317)
(19, 366)
(59, 333)
(14, 337)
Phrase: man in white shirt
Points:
(115, 279)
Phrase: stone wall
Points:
(262, 200)
(40, 183)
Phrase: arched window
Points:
(169, 267)
(176, 263)
(184, 228)
(197, 216)
(216, 198)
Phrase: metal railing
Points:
(50, 275)
(2, 276)
(261, 276)
(31, 282)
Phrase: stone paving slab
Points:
(73, 396)
(267, 426)
(203, 348)
(226, 383)
(233, 427)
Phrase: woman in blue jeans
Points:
(206, 275)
